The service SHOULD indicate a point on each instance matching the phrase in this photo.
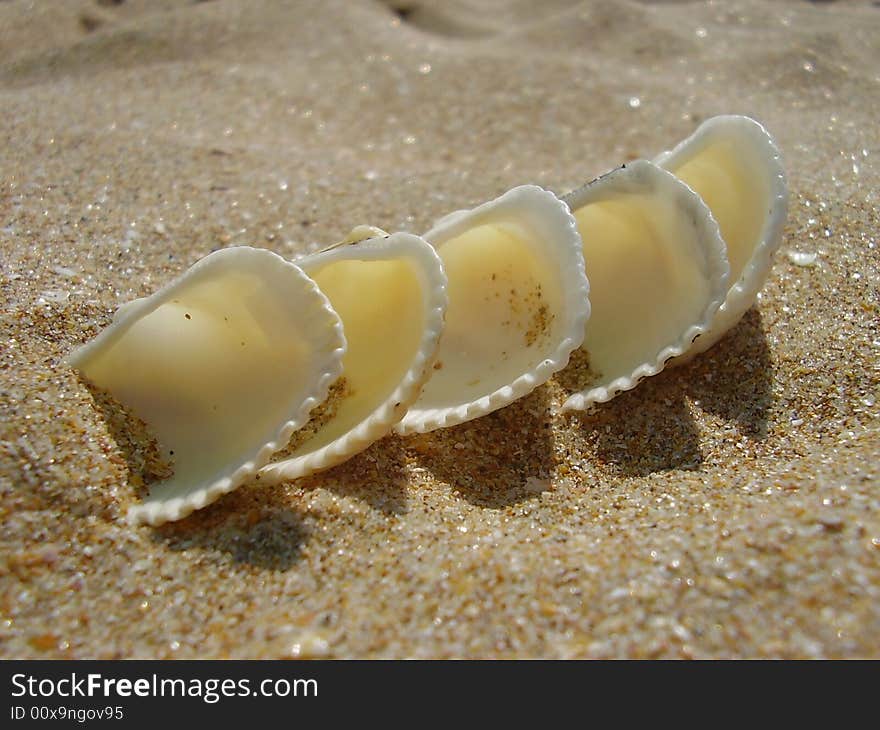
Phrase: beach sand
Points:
(725, 508)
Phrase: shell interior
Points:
(657, 274)
(223, 364)
(518, 302)
(733, 163)
(391, 295)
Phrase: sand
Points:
(726, 508)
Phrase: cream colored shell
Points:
(390, 292)
(223, 364)
(657, 271)
(733, 163)
(518, 303)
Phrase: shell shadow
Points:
(734, 379)
(255, 525)
(488, 461)
(646, 430)
(377, 477)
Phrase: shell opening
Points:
(644, 291)
(220, 365)
(518, 300)
(381, 307)
(657, 275)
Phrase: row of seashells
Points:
(247, 357)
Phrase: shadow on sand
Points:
(254, 525)
(377, 477)
(651, 429)
(646, 430)
(488, 461)
(734, 379)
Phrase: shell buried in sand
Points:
(733, 163)
(518, 304)
(658, 274)
(223, 365)
(390, 292)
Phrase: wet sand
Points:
(725, 508)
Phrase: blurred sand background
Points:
(727, 508)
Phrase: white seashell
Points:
(657, 270)
(223, 364)
(518, 303)
(391, 295)
(733, 163)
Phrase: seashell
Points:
(658, 274)
(390, 292)
(733, 163)
(223, 364)
(518, 303)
